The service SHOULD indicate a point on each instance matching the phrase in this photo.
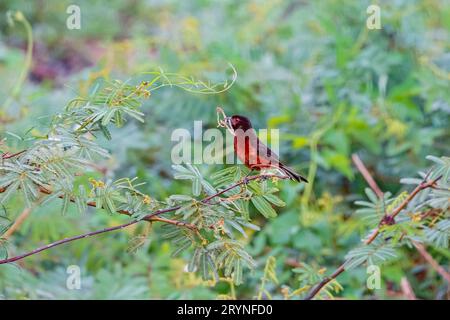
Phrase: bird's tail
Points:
(292, 174)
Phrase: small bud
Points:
(19, 16)
(146, 199)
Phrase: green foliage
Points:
(20, 177)
(268, 276)
(376, 253)
(309, 276)
(439, 234)
(312, 70)
(192, 173)
(373, 211)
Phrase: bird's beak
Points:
(228, 122)
(228, 125)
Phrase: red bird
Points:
(252, 152)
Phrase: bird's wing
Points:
(266, 155)
(255, 152)
(265, 151)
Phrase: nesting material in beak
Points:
(229, 126)
(225, 122)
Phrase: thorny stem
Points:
(150, 217)
(422, 186)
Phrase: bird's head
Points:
(239, 122)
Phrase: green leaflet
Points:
(264, 207)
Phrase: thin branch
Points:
(17, 223)
(125, 212)
(423, 252)
(388, 217)
(407, 289)
(20, 220)
(8, 155)
(422, 186)
(315, 290)
(439, 269)
(150, 217)
(367, 176)
(59, 242)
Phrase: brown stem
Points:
(9, 155)
(17, 223)
(125, 212)
(315, 290)
(407, 289)
(20, 219)
(366, 174)
(439, 269)
(59, 242)
(423, 252)
(424, 185)
(150, 217)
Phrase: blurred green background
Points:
(310, 68)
